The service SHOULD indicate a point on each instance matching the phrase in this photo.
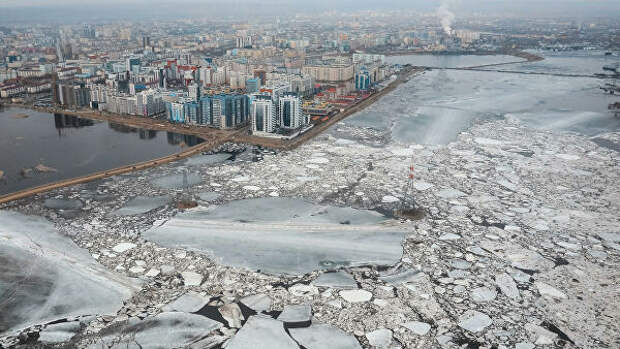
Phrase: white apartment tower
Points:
(290, 114)
(263, 114)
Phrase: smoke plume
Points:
(446, 17)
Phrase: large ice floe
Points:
(45, 277)
(142, 204)
(163, 331)
(284, 236)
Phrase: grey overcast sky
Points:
(58, 10)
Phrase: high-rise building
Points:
(73, 95)
(330, 72)
(132, 63)
(262, 75)
(362, 80)
(146, 41)
(252, 85)
(194, 91)
(290, 114)
(263, 114)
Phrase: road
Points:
(516, 72)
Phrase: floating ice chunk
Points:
(548, 290)
(257, 302)
(296, 315)
(165, 330)
(318, 160)
(58, 333)
(324, 336)
(507, 185)
(449, 237)
(381, 338)
(141, 205)
(568, 245)
(525, 259)
(191, 279)
(400, 276)
(232, 314)
(483, 294)
(207, 159)
(339, 279)
(50, 277)
(251, 188)
(390, 199)
(63, 204)
(153, 272)
(123, 247)
(136, 269)
(474, 321)
(274, 194)
(422, 186)
(417, 327)
(524, 345)
(241, 179)
(487, 141)
(611, 237)
(421, 297)
(190, 302)
(568, 157)
(301, 290)
(460, 264)
(507, 285)
(262, 333)
(304, 179)
(450, 194)
(344, 142)
(176, 181)
(540, 335)
(209, 196)
(356, 296)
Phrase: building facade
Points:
(263, 114)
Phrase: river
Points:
(64, 146)
(434, 107)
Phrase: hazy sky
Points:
(52, 9)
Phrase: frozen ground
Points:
(519, 247)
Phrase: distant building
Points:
(262, 75)
(194, 91)
(72, 95)
(252, 85)
(362, 80)
(366, 58)
(334, 72)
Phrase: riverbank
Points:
(529, 57)
(403, 77)
(203, 147)
(212, 137)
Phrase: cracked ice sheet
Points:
(142, 204)
(45, 277)
(284, 236)
(165, 330)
